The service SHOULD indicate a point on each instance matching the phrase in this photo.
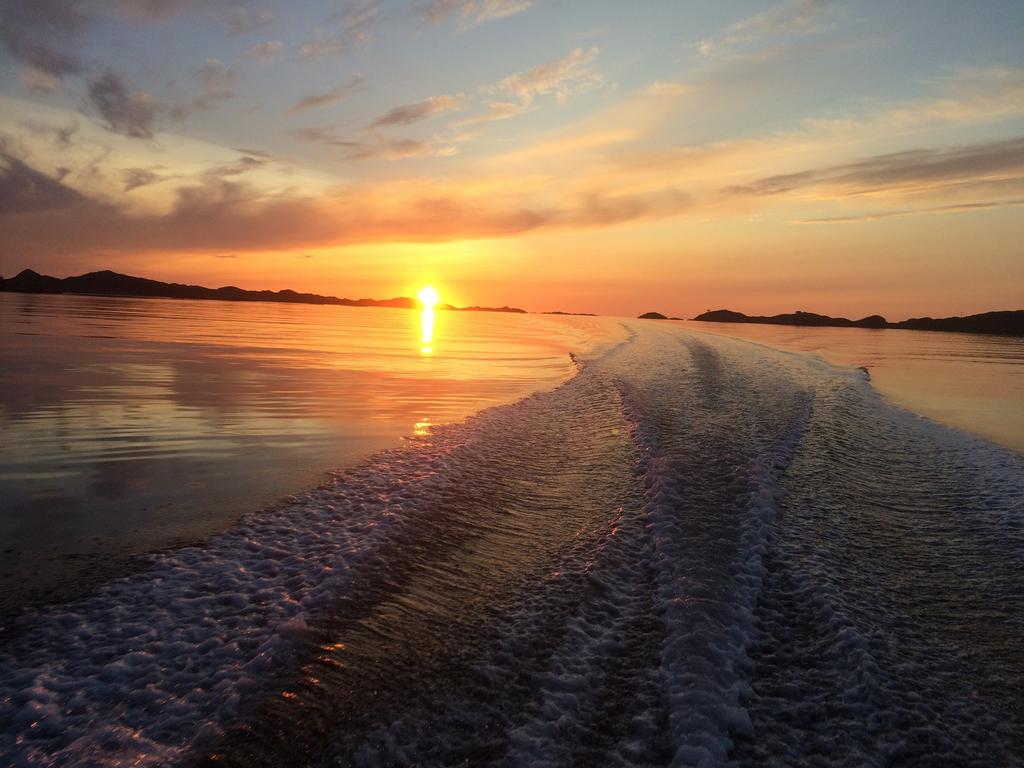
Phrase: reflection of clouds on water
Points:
(152, 420)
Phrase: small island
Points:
(108, 283)
(652, 316)
(1009, 323)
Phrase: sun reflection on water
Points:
(428, 298)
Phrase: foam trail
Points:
(697, 552)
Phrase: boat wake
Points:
(697, 551)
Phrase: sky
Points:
(848, 158)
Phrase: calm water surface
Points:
(974, 382)
(131, 424)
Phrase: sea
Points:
(971, 381)
(269, 534)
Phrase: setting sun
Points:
(428, 297)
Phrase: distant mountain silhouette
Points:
(1009, 322)
(486, 309)
(652, 316)
(107, 283)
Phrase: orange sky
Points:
(847, 159)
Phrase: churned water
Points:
(972, 381)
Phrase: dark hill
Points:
(652, 316)
(1009, 323)
(107, 283)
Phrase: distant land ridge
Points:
(107, 283)
(1010, 323)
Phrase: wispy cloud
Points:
(965, 96)
(328, 97)
(150, 10)
(244, 164)
(879, 215)
(264, 52)
(343, 31)
(793, 18)
(496, 110)
(471, 13)
(139, 177)
(905, 170)
(668, 88)
(375, 146)
(217, 83)
(358, 20)
(323, 48)
(243, 20)
(562, 78)
(420, 110)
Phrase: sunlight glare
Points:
(428, 297)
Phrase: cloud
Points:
(967, 95)
(264, 52)
(241, 20)
(421, 110)
(355, 23)
(878, 215)
(328, 97)
(359, 19)
(152, 10)
(218, 214)
(472, 13)
(217, 82)
(794, 18)
(62, 135)
(561, 78)
(496, 110)
(383, 148)
(39, 81)
(668, 88)
(256, 153)
(128, 113)
(244, 164)
(44, 34)
(24, 189)
(324, 135)
(905, 170)
(376, 147)
(139, 177)
(316, 50)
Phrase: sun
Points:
(428, 297)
